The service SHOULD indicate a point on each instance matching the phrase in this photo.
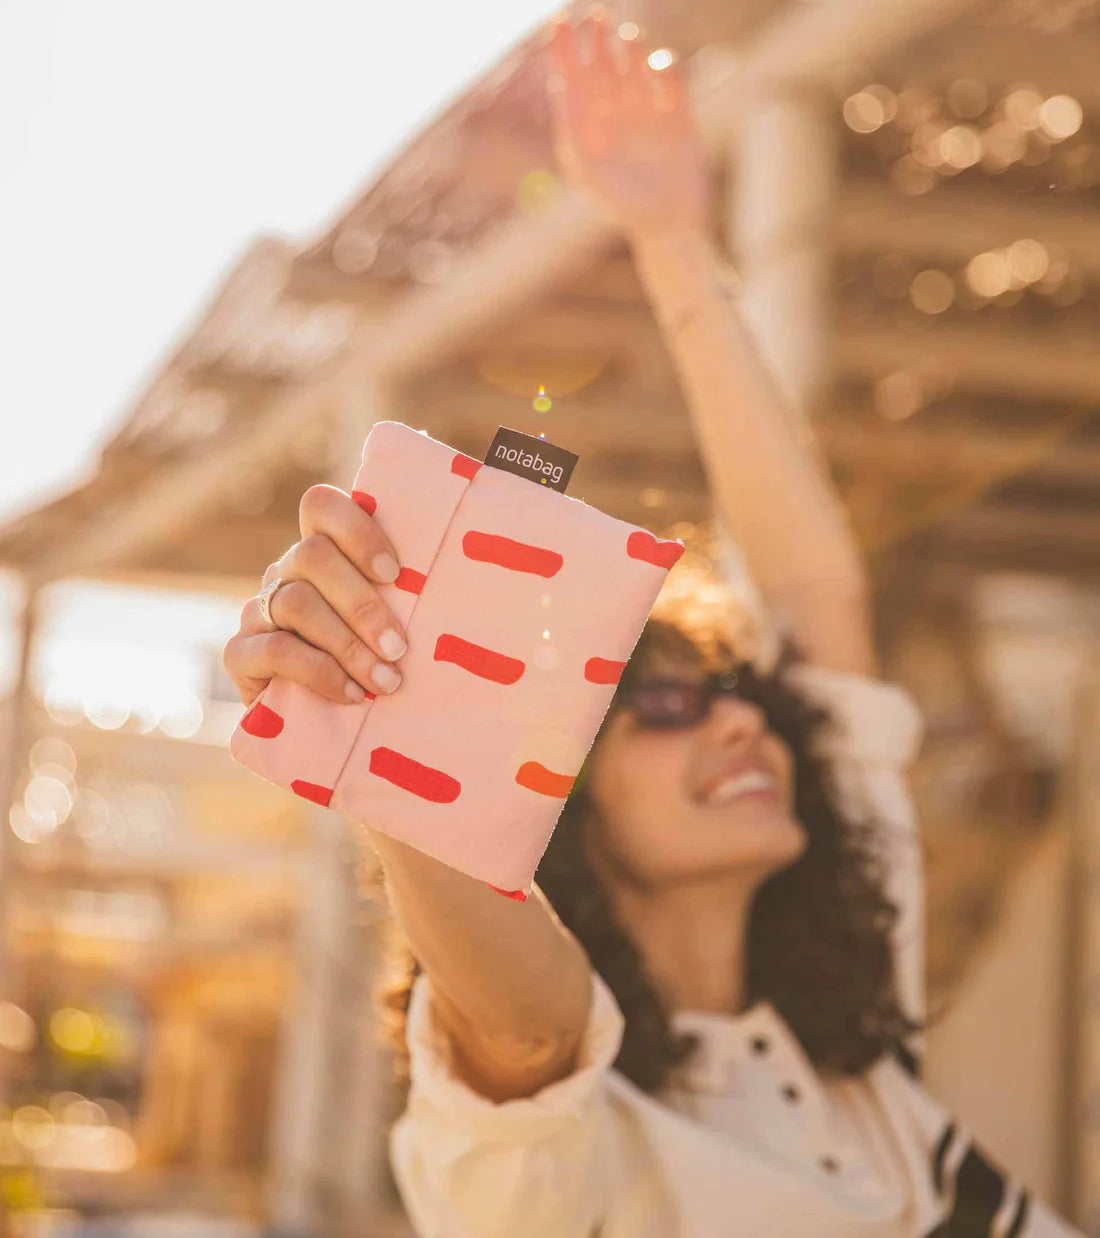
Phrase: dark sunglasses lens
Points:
(729, 681)
(669, 704)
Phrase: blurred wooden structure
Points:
(880, 162)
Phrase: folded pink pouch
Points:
(521, 607)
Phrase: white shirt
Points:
(749, 1141)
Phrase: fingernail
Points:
(385, 676)
(354, 691)
(385, 567)
(392, 643)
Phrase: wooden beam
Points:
(1055, 62)
(529, 255)
(818, 45)
(914, 453)
(170, 858)
(985, 357)
(950, 226)
(806, 46)
(168, 505)
(1021, 539)
(1016, 527)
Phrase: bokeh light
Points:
(183, 718)
(960, 146)
(932, 292)
(51, 754)
(73, 1030)
(898, 395)
(1060, 117)
(1028, 260)
(870, 108)
(17, 1030)
(47, 800)
(33, 1126)
(536, 189)
(1022, 106)
(27, 827)
(989, 274)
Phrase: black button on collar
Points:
(791, 1093)
(759, 1045)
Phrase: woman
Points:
(701, 1024)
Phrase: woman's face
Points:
(695, 801)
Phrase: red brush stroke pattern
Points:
(518, 895)
(516, 556)
(487, 663)
(434, 784)
(262, 722)
(409, 775)
(311, 791)
(603, 670)
(644, 546)
(536, 777)
(410, 580)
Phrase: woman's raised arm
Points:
(624, 132)
(509, 982)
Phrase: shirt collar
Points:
(757, 1035)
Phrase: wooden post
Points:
(305, 1130)
(779, 220)
(367, 1089)
(17, 744)
(1083, 1056)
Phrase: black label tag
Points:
(531, 457)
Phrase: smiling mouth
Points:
(751, 782)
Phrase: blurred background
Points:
(233, 237)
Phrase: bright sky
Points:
(143, 144)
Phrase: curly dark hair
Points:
(819, 934)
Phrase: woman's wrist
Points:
(683, 272)
(683, 240)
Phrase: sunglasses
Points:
(665, 702)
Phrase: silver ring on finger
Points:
(265, 596)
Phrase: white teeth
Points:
(740, 784)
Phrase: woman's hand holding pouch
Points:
(521, 607)
(335, 633)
